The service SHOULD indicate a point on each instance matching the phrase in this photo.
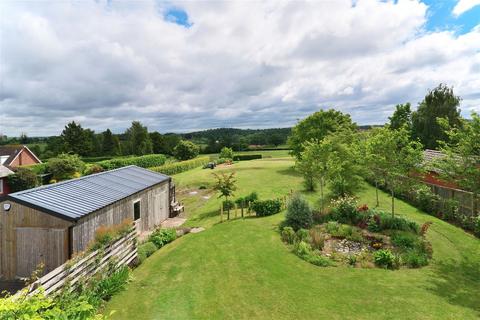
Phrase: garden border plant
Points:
(356, 236)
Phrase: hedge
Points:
(147, 161)
(177, 167)
(241, 157)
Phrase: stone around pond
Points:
(192, 193)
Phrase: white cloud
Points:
(243, 64)
(463, 6)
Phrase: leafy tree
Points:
(396, 156)
(225, 184)
(316, 127)
(343, 167)
(462, 161)
(401, 117)
(65, 166)
(313, 166)
(335, 160)
(92, 145)
(54, 147)
(440, 102)
(22, 179)
(110, 144)
(164, 144)
(73, 137)
(139, 139)
(226, 153)
(275, 139)
(186, 150)
(23, 138)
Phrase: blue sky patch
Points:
(178, 16)
(440, 17)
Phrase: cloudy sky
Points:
(180, 66)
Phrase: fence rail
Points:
(467, 205)
(121, 252)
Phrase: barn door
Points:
(40, 245)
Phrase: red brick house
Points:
(12, 157)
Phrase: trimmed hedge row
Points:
(242, 157)
(177, 167)
(147, 161)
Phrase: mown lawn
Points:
(241, 270)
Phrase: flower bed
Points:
(359, 237)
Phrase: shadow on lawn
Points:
(290, 171)
(458, 283)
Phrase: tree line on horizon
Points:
(422, 125)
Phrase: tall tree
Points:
(316, 127)
(462, 162)
(139, 139)
(73, 137)
(440, 102)
(396, 155)
(313, 166)
(164, 144)
(23, 138)
(110, 144)
(401, 117)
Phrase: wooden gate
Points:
(37, 246)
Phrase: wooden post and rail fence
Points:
(120, 253)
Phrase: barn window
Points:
(136, 210)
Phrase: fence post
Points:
(221, 212)
(236, 210)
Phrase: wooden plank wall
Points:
(20, 216)
(154, 208)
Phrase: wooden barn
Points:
(49, 224)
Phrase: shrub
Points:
(332, 227)
(65, 166)
(384, 221)
(303, 235)
(298, 214)
(267, 207)
(226, 153)
(384, 258)
(252, 197)
(145, 250)
(355, 235)
(425, 199)
(147, 161)
(113, 284)
(415, 259)
(243, 157)
(93, 169)
(161, 237)
(185, 150)
(288, 235)
(228, 205)
(22, 179)
(319, 260)
(178, 167)
(304, 251)
(404, 240)
(344, 210)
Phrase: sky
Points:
(185, 66)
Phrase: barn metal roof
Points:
(74, 199)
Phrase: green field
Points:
(241, 269)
